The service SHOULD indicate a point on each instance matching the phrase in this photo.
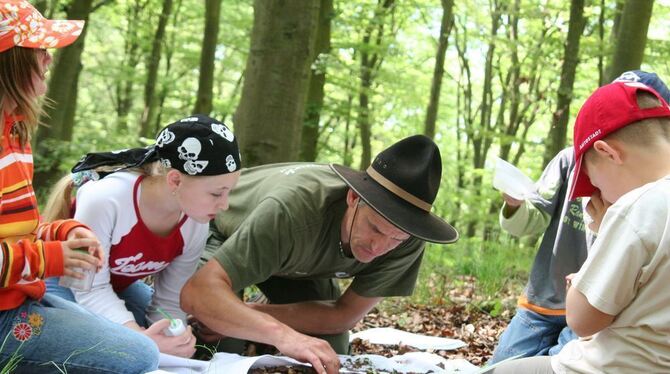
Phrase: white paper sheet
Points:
(390, 336)
(418, 362)
(512, 181)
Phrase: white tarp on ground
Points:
(390, 336)
(418, 362)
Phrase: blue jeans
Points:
(532, 334)
(54, 335)
(137, 297)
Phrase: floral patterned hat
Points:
(22, 25)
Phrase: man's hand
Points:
(511, 205)
(596, 209)
(202, 332)
(308, 349)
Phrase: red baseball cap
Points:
(608, 109)
(24, 26)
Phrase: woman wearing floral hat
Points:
(151, 211)
(43, 333)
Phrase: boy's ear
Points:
(609, 150)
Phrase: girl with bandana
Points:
(43, 333)
(150, 209)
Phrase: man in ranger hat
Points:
(293, 228)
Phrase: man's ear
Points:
(352, 198)
(174, 180)
(609, 150)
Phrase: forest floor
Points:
(462, 317)
(463, 314)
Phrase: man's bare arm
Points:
(209, 297)
(322, 317)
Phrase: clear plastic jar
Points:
(83, 284)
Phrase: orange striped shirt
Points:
(24, 259)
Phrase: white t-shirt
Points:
(627, 274)
(108, 207)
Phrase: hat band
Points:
(397, 190)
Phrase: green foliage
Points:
(500, 266)
(10, 365)
(119, 41)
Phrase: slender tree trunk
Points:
(131, 57)
(63, 73)
(347, 159)
(71, 106)
(149, 112)
(557, 132)
(41, 5)
(601, 42)
(268, 119)
(317, 81)
(62, 89)
(438, 72)
(370, 65)
(479, 140)
(631, 37)
(203, 102)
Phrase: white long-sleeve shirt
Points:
(110, 208)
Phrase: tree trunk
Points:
(268, 119)
(41, 5)
(438, 72)
(150, 102)
(131, 57)
(71, 106)
(349, 141)
(63, 73)
(62, 90)
(559, 126)
(203, 101)
(601, 42)
(370, 64)
(317, 80)
(631, 37)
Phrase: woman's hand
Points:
(182, 345)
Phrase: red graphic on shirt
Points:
(141, 252)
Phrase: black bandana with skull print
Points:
(195, 145)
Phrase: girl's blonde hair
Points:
(18, 67)
(59, 203)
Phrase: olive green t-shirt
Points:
(284, 220)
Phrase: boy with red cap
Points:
(618, 302)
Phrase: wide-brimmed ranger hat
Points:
(401, 185)
(24, 26)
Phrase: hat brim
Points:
(407, 217)
(581, 184)
(55, 39)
